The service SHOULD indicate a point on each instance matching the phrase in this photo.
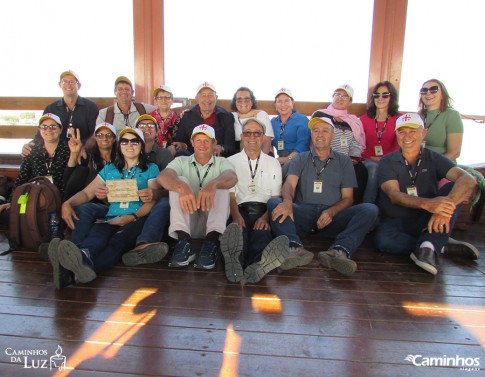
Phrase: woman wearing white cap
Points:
(108, 240)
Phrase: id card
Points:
(343, 141)
(252, 189)
(317, 187)
(412, 191)
(124, 204)
(378, 150)
(281, 145)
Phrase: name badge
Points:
(378, 150)
(252, 189)
(412, 191)
(317, 187)
(124, 204)
(343, 141)
(281, 145)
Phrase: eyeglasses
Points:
(384, 95)
(243, 100)
(100, 135)
(48, 126)
(434, 89)
(341, 96)
(252, 133)
(68, 82)
(142, 126)
(165, 98)
(134, 141)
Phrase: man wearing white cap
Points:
(317, 198)
(124, 112)
(199, 199)
(207, 112)
(417, 215)
(73, 110)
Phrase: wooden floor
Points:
(156, 321)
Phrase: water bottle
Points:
(54, 223)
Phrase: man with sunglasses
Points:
(199, 199)
(248, 247)
(417, 216)
(73, 110)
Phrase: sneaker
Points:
(231, 247)
(74, 259)
(44, 250)
(207, 257)
(62, 277)
(273, 255)
(425, 258)
(182, 254)
(151, 253)
(338, 261)
(461, 249)
(297, 257)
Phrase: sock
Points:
(427, 244)
(213, 236)
(183, 236)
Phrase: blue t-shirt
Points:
(110, 172)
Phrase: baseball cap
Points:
(283, 91)
(134, 131)
(411, 120)
(347, 89)
(204, 129)
(105, 125)
(165, 88)
(315, 120)
(146, 117)
(206, 85)
(123, 79)
(54, 117)
(245, 121)
(69, 72)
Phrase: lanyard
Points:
(427, 127)
(283, 125)
(71, 114)
(198, 174)
(125, 115)
(409, 167)
(49, 161)
(131, 173)
(251, 168)
(381, 132)
(319, 173)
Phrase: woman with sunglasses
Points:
(244, 106)
(109, 238)
(443, 124)
(379, 126)
(48, 158)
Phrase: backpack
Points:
(30, 209)
(110, 112)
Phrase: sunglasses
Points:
(48, 126)
(142, 126)
(252, 133)
(384, 95)
(134, 141)
(101, 135)
(434, 89)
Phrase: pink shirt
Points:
(388, 140)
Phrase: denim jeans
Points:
(371, 188)
(155, 223)
(404, 234)
(349, 227)
(106, 243)
(87, 213)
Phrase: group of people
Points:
(250, 187)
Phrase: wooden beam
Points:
(387, 46)
(39, 103)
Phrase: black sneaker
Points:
(182, 254)
(151, 253)
(62, 277)
(462, 249)
(425, 258)
(231, 247)
(273, 255)
(207, 257)
(73, 259)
